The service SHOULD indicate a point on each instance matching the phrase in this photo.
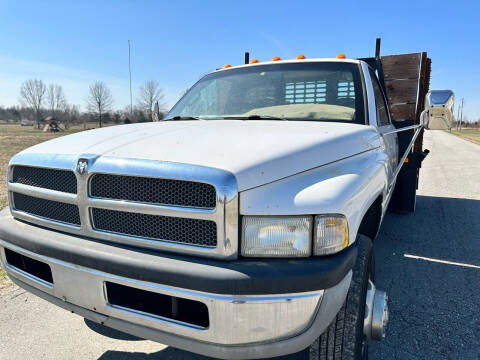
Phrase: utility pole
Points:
(458, 117)
(130, 73)
(461, 117)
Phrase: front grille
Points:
(181, 230)
(52, 179)
(153, 190)
(52, 210)
(181, 208)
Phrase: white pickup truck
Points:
(240, 227)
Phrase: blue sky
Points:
(74, 43)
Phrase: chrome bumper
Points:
(240, 327)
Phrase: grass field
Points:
(13, 139)
(472, 135)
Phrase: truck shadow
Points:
(170, 354)
(428, 264)
(109, 332)
(166, 354)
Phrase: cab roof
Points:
(291, 61)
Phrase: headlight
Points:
(265, 236)
(330, 234)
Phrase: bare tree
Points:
(55, 99)
(99, 100)
(32, 93)
(71, 114)
(150, 93)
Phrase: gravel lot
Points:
(434, 305)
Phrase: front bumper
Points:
(244, 322)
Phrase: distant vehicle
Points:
(26, 122)
(242, 225)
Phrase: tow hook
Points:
(376, 313)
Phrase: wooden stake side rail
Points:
(407, 78)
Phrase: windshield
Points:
(315, 91)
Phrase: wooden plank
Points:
(400, 112)
(401, 91)
(405, 66)
(424, 86)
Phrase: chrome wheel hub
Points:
(376, 313)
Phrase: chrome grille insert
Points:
(52, 179)
(134, 202)
(153, 190)
(176, 229)
(53, 210)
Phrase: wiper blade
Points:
(177, 118)
(254, 117)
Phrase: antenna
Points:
(130, 73)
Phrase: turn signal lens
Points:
(341, 56)
(227, 66)
(276, 58)
(301, 57)
(330, 234)
(254, 61)
(277, 236)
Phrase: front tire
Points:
(344, 338)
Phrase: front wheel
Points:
(344, 339)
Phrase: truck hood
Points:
(256, 152)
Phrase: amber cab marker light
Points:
(341, 56)
(227, 66)
(254, 61)
(301, 57)
(276, 58)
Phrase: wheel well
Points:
(371, 220)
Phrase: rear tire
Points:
(344, 338)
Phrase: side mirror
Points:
(438, 113)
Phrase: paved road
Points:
(435, 306)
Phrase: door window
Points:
(380, 103)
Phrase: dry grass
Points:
(13, 139)
(472, 135)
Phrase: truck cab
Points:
(239, 227)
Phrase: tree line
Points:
(40, 101)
